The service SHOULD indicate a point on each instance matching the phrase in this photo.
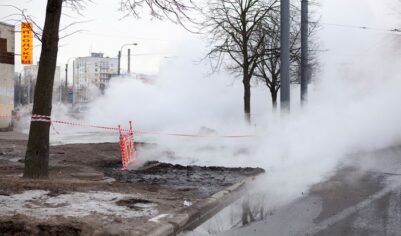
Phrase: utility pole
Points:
(66, 83)
(29, 90)
(59, 89)
(119, 61)
(129, 61)
(19, 90)
(304, 51)
(129, 55)
(74, 90)
(285, 55)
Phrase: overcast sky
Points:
(106, 32)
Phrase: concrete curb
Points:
(197, 214)
(162, 229)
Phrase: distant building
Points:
(94, 70)
(7, 49)
(91, 75)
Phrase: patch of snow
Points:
(187, 203)
(41, 205)
(13, 159)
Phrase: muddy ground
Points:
(201, 181)
(87, 168)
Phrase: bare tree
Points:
(233, 25)
(37, 153)
(268, 68)
(176, 11)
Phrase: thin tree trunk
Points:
(273, 94)
(247, 100)
(37, 153)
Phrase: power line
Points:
(392, 31)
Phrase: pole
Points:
(119, 62)
(29, 91)
(304, 51)
(129, 61)
(19, 90)
(66, 83)
(66, 79)
(59, 90)
(285, 55)
(73, 84)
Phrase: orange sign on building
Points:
(26, 43)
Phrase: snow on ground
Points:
(42, 205)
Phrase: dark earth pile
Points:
(201, 181)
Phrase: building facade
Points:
(94, 70)
(7, 48)
(92, 74)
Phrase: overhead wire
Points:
(396, 31)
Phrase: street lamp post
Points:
(119, 56)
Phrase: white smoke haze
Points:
(351, 109)
(183, 100)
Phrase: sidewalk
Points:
(13, 135)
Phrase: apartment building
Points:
(7, 44)
(94, 70)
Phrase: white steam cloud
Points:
(353, 107)
(349, 110)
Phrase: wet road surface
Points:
(363, 198)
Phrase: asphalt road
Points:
(363, 198)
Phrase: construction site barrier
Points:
(127, 146)
(126, 140)
(137, 132)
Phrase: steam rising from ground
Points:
(353, 107)
(345, 114)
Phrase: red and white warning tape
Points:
(43, 118)
(196, 135)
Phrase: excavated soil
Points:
(90, 168)
(201, 181)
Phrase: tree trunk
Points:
(247, 100)
(37, 153)
(273, 94)
(247, 91)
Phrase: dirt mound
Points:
(200, 180)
